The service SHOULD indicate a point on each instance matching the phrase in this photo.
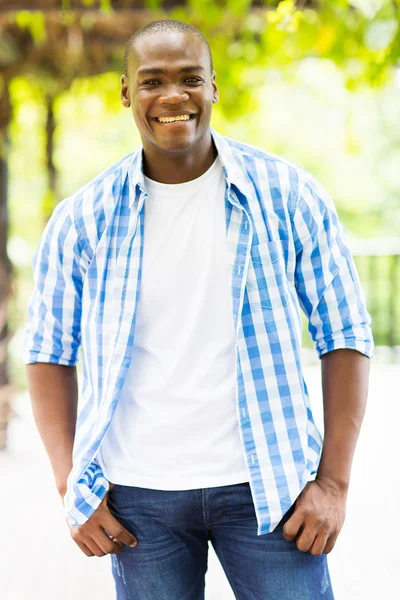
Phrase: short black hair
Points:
(160, 26)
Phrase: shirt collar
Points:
(231, 159)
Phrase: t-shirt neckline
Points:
(173, 188)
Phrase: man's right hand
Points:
(94, 541)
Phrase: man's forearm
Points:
(345, 375)
(54, 395)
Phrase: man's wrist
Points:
(341, 485)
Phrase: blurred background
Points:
(317, 82)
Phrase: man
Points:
(180, 271)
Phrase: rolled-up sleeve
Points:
(53, 328)
(327, 283)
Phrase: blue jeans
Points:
(173, 529)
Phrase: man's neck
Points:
(169, 169)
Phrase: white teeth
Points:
(171, 119)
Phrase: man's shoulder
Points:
(271, 160)
(109, 181)
(90, 207)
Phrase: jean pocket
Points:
(286, 517)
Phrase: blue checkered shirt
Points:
(288, 251)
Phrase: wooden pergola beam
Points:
(57, 5)
(120, 5)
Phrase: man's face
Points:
(169, 76)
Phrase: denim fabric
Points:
(173, 529)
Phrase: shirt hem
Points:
(171, 484)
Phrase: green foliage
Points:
(361, 36)
(34, 22)
(106, 6)
(153, 4)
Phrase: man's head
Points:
(168, 72)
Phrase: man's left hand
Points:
(319, 515)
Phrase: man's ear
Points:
(125, 94)
(215, 88)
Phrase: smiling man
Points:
(169, 83)
(180, 272)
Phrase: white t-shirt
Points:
(176, 423)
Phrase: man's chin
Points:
(174, 146)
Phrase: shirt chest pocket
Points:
(266, 282)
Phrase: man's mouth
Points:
(175, 119)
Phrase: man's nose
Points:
(173, 95)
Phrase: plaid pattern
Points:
(287, 251)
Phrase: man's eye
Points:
(157, 81)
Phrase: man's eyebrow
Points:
(157, 71)
(191, 68)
